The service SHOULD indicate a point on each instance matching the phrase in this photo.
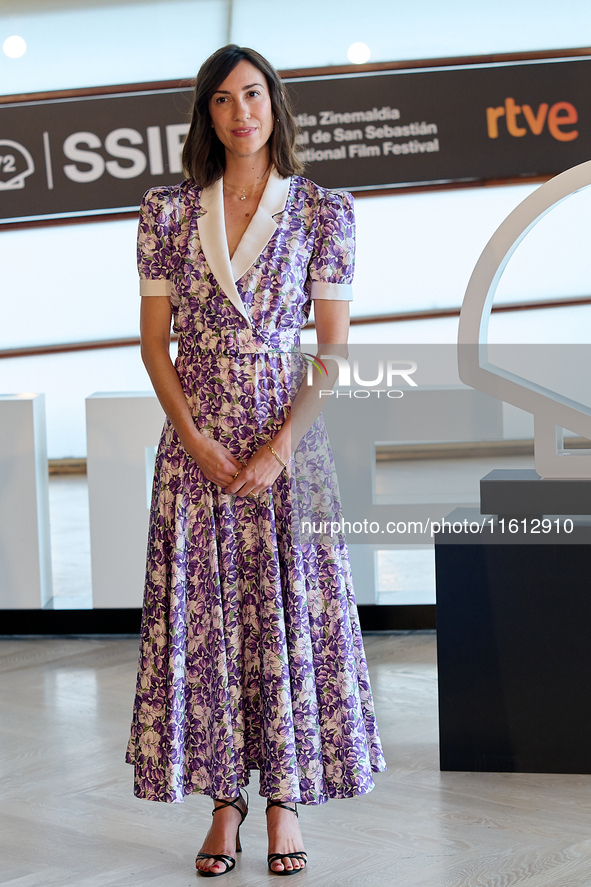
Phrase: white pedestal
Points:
(25, 554)
(121, 428)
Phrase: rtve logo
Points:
(555, 117)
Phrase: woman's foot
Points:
(283, 830)
(221, 837)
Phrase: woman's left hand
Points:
(259, 473)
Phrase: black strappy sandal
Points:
(228, 861)
(299, 854)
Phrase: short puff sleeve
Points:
(331, 267)
(154, 242)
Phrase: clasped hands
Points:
(223, 469)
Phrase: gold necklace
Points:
(241, 192)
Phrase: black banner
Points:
(445, 125)
(474, 122)
(80, 155)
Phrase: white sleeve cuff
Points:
(323, 290)
(155, 287)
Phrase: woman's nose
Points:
(241, 110)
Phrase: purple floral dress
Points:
(251, 655)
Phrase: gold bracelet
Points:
(279, 459)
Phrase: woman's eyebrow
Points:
(227, 91)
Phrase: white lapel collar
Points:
(212, 234)
(262, 225)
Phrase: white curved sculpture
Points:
(552, 411)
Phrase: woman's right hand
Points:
(215, 461)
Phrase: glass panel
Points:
(103, 44)
(405, 576)
(70, 543)
(134, 42)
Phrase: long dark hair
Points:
(204, 157)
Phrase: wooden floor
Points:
(68, 816)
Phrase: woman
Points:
(251, 655)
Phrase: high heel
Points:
(298, 854)
(228, 861)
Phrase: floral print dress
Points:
(251, 655)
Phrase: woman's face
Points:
(241, 111)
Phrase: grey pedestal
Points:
(522, 492)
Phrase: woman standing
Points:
(251, 655)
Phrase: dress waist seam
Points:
(235, 342)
